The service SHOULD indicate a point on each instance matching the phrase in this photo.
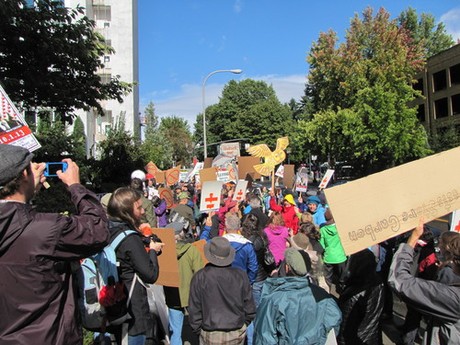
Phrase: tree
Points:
(120, 156)
(78, 140)
(248, 109)
(176, 133)
(154, 147)
(364, 87)
(424, 32)
(49, 58)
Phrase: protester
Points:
(37, 251)
(292, 310)
(161, 211)
(278, 236)
(256, 210)
(221, 303)
(438, 300)
(288, 210)
(361, 301)
(148, 217)
(334, 255)
(190, 261)
(316, 209)
(183, 212)
(245, 257)
(136, 265)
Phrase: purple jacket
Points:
(37, 298)
(277, 237)
(160, 211)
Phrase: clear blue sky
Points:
(182, 41)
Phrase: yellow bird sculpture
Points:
(271, 158)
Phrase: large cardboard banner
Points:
(167, 261)
(380, 206)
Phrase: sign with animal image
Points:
(326, 178)
(391, 202)
(210, 196)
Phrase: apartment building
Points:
(439, 83)
(117, 21)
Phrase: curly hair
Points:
(310, 229)
(250, 227)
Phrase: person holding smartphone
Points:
(38, 250)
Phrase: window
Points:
(419, 86)
(455, 104)
(106, 58)
(105, 78)
(102, 13)
(421, 112)
(455, 74)
(440, 108)
(106, 24)
(439, 81)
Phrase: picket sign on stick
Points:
(380, 206)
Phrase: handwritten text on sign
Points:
(392, 202)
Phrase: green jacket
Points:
(190, 261)
(330, 240)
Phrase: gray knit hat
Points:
(13, 160)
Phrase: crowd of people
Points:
(276, 271)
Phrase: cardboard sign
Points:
(208, 162)
(13, 128)
(167, 194)
(327, 177)
(280, 171)
(208, 174)
(301, 182)
(210, 196)
(172, 176)
(246, 166)
(380, 206)
(289, 175)
(167, 261)
(240, 190)
(230, 149)
(455, 224)
(151, 168)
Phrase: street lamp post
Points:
(234, 71)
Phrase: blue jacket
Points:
(293, 311)
(245, 255)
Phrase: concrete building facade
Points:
(117, 21)
(439, 83)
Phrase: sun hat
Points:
(219, 252)
(183, 195)
(138, 174)
(14, 160)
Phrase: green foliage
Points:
(177, 136)
(360, 92)
(78, 140)
(248, 109)
(50, 56)
(424, 32)
(55, 142)
(120, 156)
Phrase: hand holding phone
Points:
(52, 168)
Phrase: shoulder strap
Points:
(120, 237)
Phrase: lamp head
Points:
(236, 71)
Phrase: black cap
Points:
(13, 160)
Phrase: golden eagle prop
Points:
(271, 159)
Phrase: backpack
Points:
(102, 299)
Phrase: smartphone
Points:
(52, 168)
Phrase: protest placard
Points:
(169, 267)
(13, 128)
(210, 196)
(380, 206)
(326, 178)
(240, 190)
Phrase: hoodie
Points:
(245, 255)
(277, 238)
